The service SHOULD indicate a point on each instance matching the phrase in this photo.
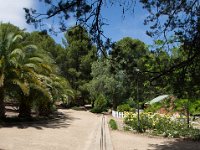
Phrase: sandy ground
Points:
(77, 130)
(122, 140)
(128, 141)
(72, 132)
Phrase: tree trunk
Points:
(25, 107)
(2, 104)
(188, 117)
(45, 109)
(115, 102)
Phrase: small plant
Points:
(127, 128)
(113, 124)
(123, 107)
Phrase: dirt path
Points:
(129, 141)
(80, 130)
(73, 132)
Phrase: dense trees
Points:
(37, 72)
(80, 53)
(28, 74)
(175, 23)
(112, 86)
(179, 19)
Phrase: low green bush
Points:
(113, 124)
(123, 107)
(100, 104)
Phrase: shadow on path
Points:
(55, 121)
(176, 145)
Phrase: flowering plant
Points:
(158, 124)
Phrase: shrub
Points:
(99, 104)
(154, 107)
(164, 125)
(131, 102)
(113, 124)
(123, 107)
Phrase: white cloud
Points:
(12, 11)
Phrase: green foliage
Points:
(162, 125)
(100, 104)
(123, 107)
(184, 27)
(28, 73)
(154, 107)
(113, 124)
(195, 107)
(76, 65)
(131, 102)
(113, 86)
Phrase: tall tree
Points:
(80, 55)
(131, 55)
(166, 18)
(113, 86)
(10, 52)
(177, 18)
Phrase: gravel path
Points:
(129, 141)
(122, 140)
(73, 132)
(81, 130)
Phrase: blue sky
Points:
(119, 27)
(130, 26)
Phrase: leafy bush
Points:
(113, 124)
(99, 104)
(154, 107)
(131, 102)
(123, 107)
(164, 125)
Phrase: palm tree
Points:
(7, 64)
(18, 67)
(33, 68)
(32, 71)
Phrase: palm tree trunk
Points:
(2, 104)
(25, 107)
(45, 109)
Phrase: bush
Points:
(99, 104)
(164, 125)
(123, 107)
(113, 124)
(131, 102)
(154, 107)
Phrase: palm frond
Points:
(16, 37)
(69, 92)
(43, 90)
(31, 47)
(14, 61)
(16, 71)
(32, 65)
(17, 52)
(24, 86)
(47, 67)
(9, 40)
(2, 62)
(36, 59)
(2, 77)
